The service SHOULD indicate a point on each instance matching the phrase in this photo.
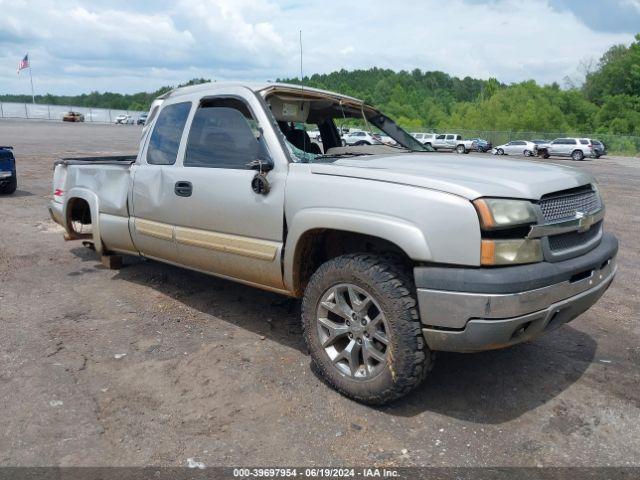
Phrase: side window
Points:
(440, 137)
(165, 138)
(459, 137)
(584, 141)
(224, 134)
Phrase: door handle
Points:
(183, 189)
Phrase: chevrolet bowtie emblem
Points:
(584, 221)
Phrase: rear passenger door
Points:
(154, 176)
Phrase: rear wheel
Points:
(577, 155)
(461, 149)
(480, 149)
(362, 328)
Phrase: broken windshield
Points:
(320, 126)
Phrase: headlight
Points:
(497, 216)
(510, 252)
(497, 213)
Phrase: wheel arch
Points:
(317, 235)
(80, 197)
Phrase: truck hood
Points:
(467, 176)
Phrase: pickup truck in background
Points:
(452, 141)
(8, 175)
(396, 252)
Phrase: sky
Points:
(128, 46)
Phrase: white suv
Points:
(576, 148)
(360, 137)
(424, 138)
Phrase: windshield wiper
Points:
(338, 155)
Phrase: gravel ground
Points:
(152, 364)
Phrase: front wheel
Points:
(528, 153)
(362, 328)
(500, 151)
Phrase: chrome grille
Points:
(566, 241)
(564, 205)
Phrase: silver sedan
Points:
(516, 147)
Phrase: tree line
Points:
(607, 102)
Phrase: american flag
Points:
(24, 63)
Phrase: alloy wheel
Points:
(353, 331)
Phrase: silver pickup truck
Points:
(396, 252)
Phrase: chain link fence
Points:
(38, 111)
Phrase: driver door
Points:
(224, 226)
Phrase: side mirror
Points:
(260, 165)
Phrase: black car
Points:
(142, 119)
(8, 178)
(599, 148)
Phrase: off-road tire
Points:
(409, 359)
(10, 188)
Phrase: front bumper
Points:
(474, 309)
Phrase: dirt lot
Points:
(153, 364)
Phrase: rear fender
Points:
(92, 199)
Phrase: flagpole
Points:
(33, 97)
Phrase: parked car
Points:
(452, 141)
(482, 145)
(8, 175)
(124, 119)
(599, 148)
(541, 142)
(424, 138)
(576, 148)
(142, 119)
(315, 135)
(73, 117)
(385, 139)
(359, 137)
(395, 255)
(516, 147)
